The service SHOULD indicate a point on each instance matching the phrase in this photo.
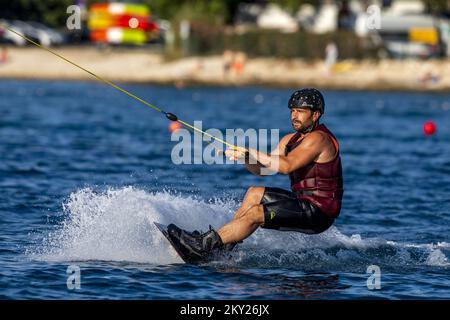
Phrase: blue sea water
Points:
(85, 170)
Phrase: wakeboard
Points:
(176, 246)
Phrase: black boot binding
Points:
(196, 247)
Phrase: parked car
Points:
(25, 29)
(46, 35)
(10, 37)
(40, 33)
(34, 30)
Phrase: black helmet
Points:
(307, 98)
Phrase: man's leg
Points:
(246, 220)
(252, 197)
(240, 228)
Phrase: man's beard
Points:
(302, 129)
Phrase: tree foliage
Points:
(50, 12)
(293, 5)
(437, 6)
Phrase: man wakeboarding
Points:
(310, 156)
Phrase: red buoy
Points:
(174, 126)
(429, 128)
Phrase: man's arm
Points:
(308, 151)
(254, 166)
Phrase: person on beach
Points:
(227, 62)
(3, 55)
(331, 56)
(310, 156)
(238, 64)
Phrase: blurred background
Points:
(332, 38)
(417, 28)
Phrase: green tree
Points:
(215, 11)
(50, 12)
(293, 5)
(437, 6)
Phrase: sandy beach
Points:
(142, 66)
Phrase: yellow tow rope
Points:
(169, 115)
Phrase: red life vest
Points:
(318, 183)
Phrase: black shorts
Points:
(283, 211)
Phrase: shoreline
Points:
(144, 67)
(274, 85)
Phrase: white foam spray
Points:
(117, 225)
